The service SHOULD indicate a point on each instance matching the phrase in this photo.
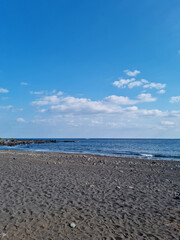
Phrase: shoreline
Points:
(43, 193)
(91, 154)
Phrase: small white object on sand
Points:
(72, 225)
(3, 234)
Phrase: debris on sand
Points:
(72, 225)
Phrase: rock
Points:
(14, 142)
(176, 195)
(72, 225)
(3, 234)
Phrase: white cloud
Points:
(20, 120)
(144, 81)
(120, 100)
(155, 85)
(146, 97)
(131, 109)
(167, 123)
(47, 100)
(111, 111)
(24, 83)
(36, 93)
(6, 107)
(162, 91)
(3, 90)
(75, 105)
(175, 113)
(108, 105)
(131, 83)
(153, 113)
(134, 84)
(132, 73)
(59, 93)
(175, 99)
(54, 92)
(83, 105)
(137, 83)
(122, 83)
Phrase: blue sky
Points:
(90, 68)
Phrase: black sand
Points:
(41, 194)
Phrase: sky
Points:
(90, 69)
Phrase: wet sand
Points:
(56, 196)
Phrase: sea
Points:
(166, 149)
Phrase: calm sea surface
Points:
(168, 149)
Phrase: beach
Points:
(59, 196)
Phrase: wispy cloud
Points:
(162, 91)
(36, 92)
(6, 107)
(132, 82)
(121, 100)
(3, 90)
(122, 83)
(111, 112)
(73, 105)
(146, 97)
(24, 83)
(167, 123)
(155, 85)
(47, 100)
(175, 99)
(132, 73)
(53, 92)
(20, 120)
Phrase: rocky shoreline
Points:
(14, 142)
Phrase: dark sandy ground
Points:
(55, 196)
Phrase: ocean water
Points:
(167, 149)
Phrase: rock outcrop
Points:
(14, 142)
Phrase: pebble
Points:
(177, 195)
(72, 225)
(3, 234)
